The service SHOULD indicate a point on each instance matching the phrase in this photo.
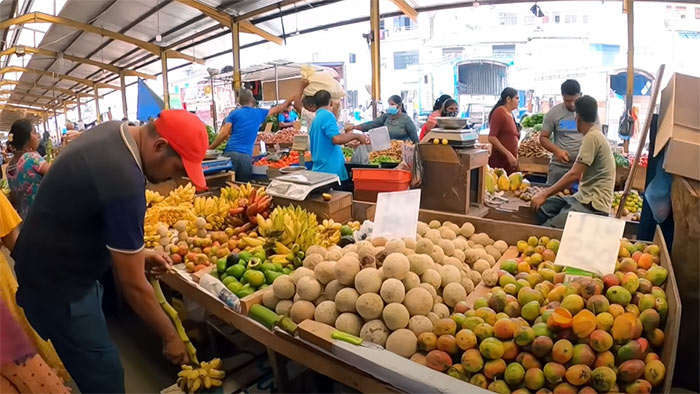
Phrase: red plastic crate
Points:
(381, 179)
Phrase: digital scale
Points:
(299, 184)
(460, 138)
(216, 165)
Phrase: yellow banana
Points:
(216, 374)
(196, 385)
(207, 382)
(216, 382)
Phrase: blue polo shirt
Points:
(327, 156)
(245, 124)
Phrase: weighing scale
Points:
(216, 165)
(461, 138)
(298, 185)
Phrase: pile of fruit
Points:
(388, 291)
(279, 160)
(530, 147)
(643, 161)
(284, 136)
(534, 331)
(394, 153)
(497, 180)
(633, 204)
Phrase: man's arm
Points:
(344, 138)
(130, 273)
(573, 175)
(559, 154)
(224, 133)
(280, 107)
(300, 95)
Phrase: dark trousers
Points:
(242, 164)
(555, 210)
(78, 331)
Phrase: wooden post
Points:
(164, 75)
(80, 112)
(630, 65)
(98, 117)
(376, 59)
(55, 120)
(236, 50)
(123, 86)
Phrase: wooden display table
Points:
(533, 165)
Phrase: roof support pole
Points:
(55, 121)
(123, 86)
(630, 64)
(376, 59)
(98, 116)
(80, 112)
(236, 50)
(65, 110)
(164, 75)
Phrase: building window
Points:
(508, 18)
(403, 23)
(404, 59)
(529, 20)
(557, 18)
(452, 52)
(570, 19)
(353, 58)
(681, 12)
(585, 19)
(507, 50)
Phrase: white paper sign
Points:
(590, 242)
(396, 215)
(379, 138)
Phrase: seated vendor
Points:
(325, 138)
(594, 166)
(287, 117)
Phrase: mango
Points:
(488, 314)
(583, 354)
(584, 323)
(661, 306)
(639, 386)
(578, 375)
(544, 390)
(650, 319)
(504, 329)
(524, 335)
(619, 295)
(627, 265)
(466, 339)
(510, 350)
(542, 346)
(611, 280)
(630, 351)
(494, 368)
(534, 378)
(512, 309)
(531, 310)
(560, 318)
(645, 285)
(657, 275)
(656, 337)
(587, 390)
(573, 303)
(447, 343)
(497, 301)
(650, 357)
(471, 322)
(624, 327)
(472, 360)
(541, 329)
(553, 245)
(527, 294)
(491, 348)
(514, 374)
(654, 372)
(438, 360)
(633, 309)
(630, 370)
(499, 386)
(479, 380)
(605, 359)
(630, 282)
(445, 326)
(597, 304)
(600, 340)
(554, 372)
(616, 310)
(457, 371)
(646, 301)
(562, 351)
(565, 388)
(603, 379)
(483, 331)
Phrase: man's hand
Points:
(512, 160)
(362, 139)
(157, 264)
(175, 351)
(562, 155)
(538, 200)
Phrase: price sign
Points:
(300, 143)
(590, 243)
(397, 215)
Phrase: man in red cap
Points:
(87, 218)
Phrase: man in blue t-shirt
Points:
(242, 125)
(287, 117)
(325, 139)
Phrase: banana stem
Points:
(172, 314)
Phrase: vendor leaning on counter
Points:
(594, 167)
(325, 138)
(400, 125)
(242, 125)
(559, 122)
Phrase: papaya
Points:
(503, 183)
(490, 181)
(516, 179)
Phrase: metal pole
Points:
(236, 50)
(123, 86)
(166, 90)
(98, 117)
(277, 87)
(213, 100)
(55, 120)
(376, 59)
(80, 112)
(630, 64)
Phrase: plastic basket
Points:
(381, 179)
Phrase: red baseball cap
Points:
(187, 135)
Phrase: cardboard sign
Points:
(396, 215)
(300, 143)
(590, 243)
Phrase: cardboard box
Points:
(339, 208)
(679, 126)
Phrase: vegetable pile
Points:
(284, 136)
(530, 146)
(532, 120)
(395, 152)
(279, 160)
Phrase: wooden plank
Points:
(253, 299)
(317, 333)
(481, 290)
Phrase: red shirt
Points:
(502, 126)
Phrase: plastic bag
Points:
(658, 194)
(321, 81)
(361, 155)
(417, 170)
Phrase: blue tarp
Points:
(642, 84)
(149, 104)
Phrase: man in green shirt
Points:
(594, 166)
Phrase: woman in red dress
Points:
(503, 132)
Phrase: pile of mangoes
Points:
(536, 332)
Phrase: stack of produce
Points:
(248, 271)
(530, 147)
(643, 161)
(392, 155)
(533, 121)
(633, 204)
(621, 161)
(536, 332)
(497, 180)
(348, 152)
(389, 292)
(279, 160)
(284, 136)
(331, 232)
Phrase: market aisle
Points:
(145, 370)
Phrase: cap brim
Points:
(195, 173)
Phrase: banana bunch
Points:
(191, 379)
(250, 242)
(213, 209)
(153, 198)
(247, 189)
(231, 192)
(329, 233)
(290, 226)
(183, 195)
